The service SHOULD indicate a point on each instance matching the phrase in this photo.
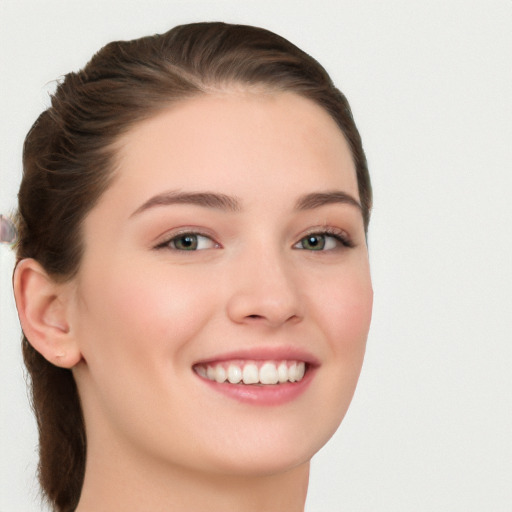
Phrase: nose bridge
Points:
(264, 287)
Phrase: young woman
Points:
(192, 277)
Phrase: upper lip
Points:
(268, 353)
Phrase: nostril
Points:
(259, 308)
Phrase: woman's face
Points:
(229, 246)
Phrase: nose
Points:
(264, 291)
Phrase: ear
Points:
(43, 309)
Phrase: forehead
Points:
(240, 143)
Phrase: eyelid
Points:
(166, 239)
(340, 234)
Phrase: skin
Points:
(140, 314)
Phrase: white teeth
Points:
(297, 371)
(301, 370)
(292, 372)
(210, 372)
(250, 374)
(266, 373)
(282, 372)
(220, 373)
(234, 374)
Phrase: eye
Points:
(188, 242)
(323, 242)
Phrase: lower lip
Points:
(277, 394)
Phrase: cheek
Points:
(141, 313)
(342, 312)
(345, 320)
(347, 311)
(136, 330)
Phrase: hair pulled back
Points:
(68, 161)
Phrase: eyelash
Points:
(166, 244)
(340, 236)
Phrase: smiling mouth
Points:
(256, 373)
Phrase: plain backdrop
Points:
(430, 84)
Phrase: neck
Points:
(113, 485)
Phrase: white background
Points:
(430, 428)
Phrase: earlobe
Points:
(43, 309)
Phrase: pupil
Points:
(314, 242)
(187, 242)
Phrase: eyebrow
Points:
(317, 199)
(205, 199)
(232, 204)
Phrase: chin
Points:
(275, 450)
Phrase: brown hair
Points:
(68, 157)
